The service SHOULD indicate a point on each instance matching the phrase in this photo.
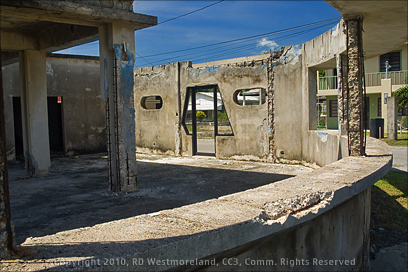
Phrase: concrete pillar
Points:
(341, 71)
(271, 111)
(117, 57)
(311, 98)
(386, 90)
(355, 86)
(34, 111)
(392, 118)
(6, 233)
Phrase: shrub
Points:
(200, 115)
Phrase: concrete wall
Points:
(249, 123)
(157, 130)
(310, 246)
(76, 80)
(288, 121)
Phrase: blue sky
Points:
(225, 21)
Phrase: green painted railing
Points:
(372, 79)
(327, 82)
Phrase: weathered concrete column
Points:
(117, 56)
(6, 233)
(392, 118)
(271, 110)
(342, 113)
(355, 86)
(386, 90)
(34, 111)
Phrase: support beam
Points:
(341, 94)
(34, 111)
(6, 230)
(117, 56)
(14, 41)
(392, 118)
(271, 111)
(355, 85)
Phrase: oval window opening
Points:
(152, 102)
(250, 97)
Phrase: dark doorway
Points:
(366, 113)
(18, 128)
(55, 124)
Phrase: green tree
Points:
(200, 115)
(402, 97)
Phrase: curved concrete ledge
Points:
(232, 225)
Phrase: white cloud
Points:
(264, 42)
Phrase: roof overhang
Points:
(384, 23)
(56, 25)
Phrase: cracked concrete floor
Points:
(75, 194)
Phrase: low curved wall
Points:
(321, 217)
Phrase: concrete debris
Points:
(275, 210)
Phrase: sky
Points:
(205, 34)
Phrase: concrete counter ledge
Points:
(315, 221)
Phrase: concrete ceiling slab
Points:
(384, 23)
(56, 25)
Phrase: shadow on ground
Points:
(75, 194)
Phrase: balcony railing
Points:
(372, 79)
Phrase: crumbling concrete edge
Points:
(212, 243)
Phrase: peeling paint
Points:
(49, 70)
(323, 136)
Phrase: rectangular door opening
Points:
(55, 125)
(18, 129)
(203, 111)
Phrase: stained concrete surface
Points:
(75, 193)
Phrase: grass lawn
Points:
(402, 139)
(389, 202)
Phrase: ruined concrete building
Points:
(154, 108)
(31, 29)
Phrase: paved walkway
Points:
(400, 157)
(394, 258)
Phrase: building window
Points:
(249, 97)
(152, 102)
(333, 108)
(379, 112)
(393, 58)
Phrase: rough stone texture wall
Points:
(271, 111)
(355, 86)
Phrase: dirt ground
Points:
(75, 192)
